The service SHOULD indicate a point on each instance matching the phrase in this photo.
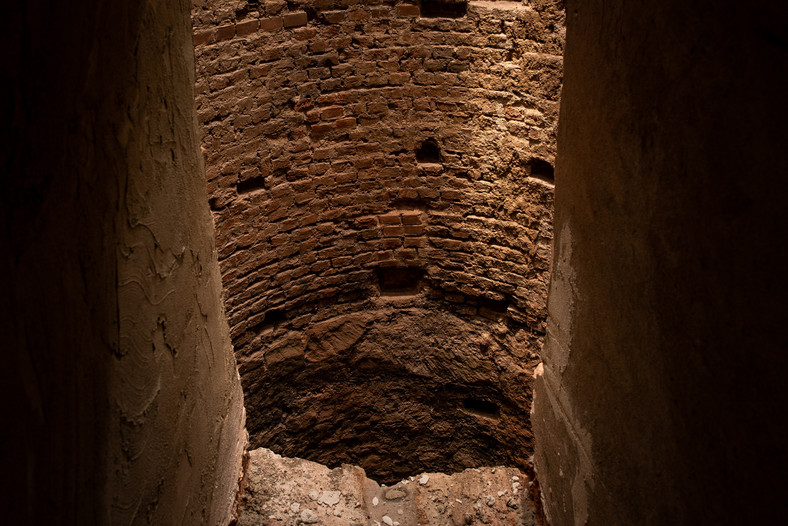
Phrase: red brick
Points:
(405, 253)
(393, 231)
(204, 37)
(259, 71)
(399, 78)
(413, 230)
(407, 10)
(390, 219)
(295, 19)
(305, 33)
(347, 122)
(335, 17)
(392, 242)
(313, 115)
(451, 195)
(247, 28)
(366, 222)
(279, 240)
(415, 242)
(225, 32)
(359, 15)
(411, 217)
(332, 112)
(318, 46)
(322, 128)
(271, 24)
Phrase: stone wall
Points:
(382, 189)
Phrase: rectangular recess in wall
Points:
(272, 319)
(250, 185)
(481, 408)
(409, 204)
(443, 8)
(399, 281)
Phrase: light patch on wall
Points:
(562, 297)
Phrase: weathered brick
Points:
(384, 80)
(347, 122)
(359, 15)
(304, 33)
(411, 217)
(247, 27)
(320, 129)
(334, 17)
(225, 32)
(271, 24)
(295, 19)
(332, 112)
(204, 37)
(392, 231)
(390, 219)
(408, 10)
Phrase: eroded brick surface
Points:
(344, 139)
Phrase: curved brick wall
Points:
(381, 189)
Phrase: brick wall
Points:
(344, 139)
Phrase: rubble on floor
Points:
(288, 491)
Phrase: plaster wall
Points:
(122, 403)
(662, 394)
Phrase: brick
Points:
(332, 112)
(359, 15)
(415, 242)
(399, 78)
(378, 107)
(295, 19)
(319, 73)
(321, 128)
(390, 219)
(225, 32)
(392, 242)
(407, 10)
(405, 253)
(413, 230)
(280, 239)
(319, 46)
(204, 37)
(411, 217)
(347, 122)
(393, 231)
(451, 195)
(247, 28)
(271, 24)
(335, 17)
(305, 33)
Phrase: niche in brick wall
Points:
(399, 281)
(428, 151)
(271, 319)
(541, 169)
(481, 408)
(251, 185)
(443, 8)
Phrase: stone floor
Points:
(287, 491)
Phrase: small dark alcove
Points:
(443, 8)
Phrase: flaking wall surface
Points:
(344, 139)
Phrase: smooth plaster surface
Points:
(662, 398)
(122, 403)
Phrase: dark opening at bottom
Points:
(481, 408)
